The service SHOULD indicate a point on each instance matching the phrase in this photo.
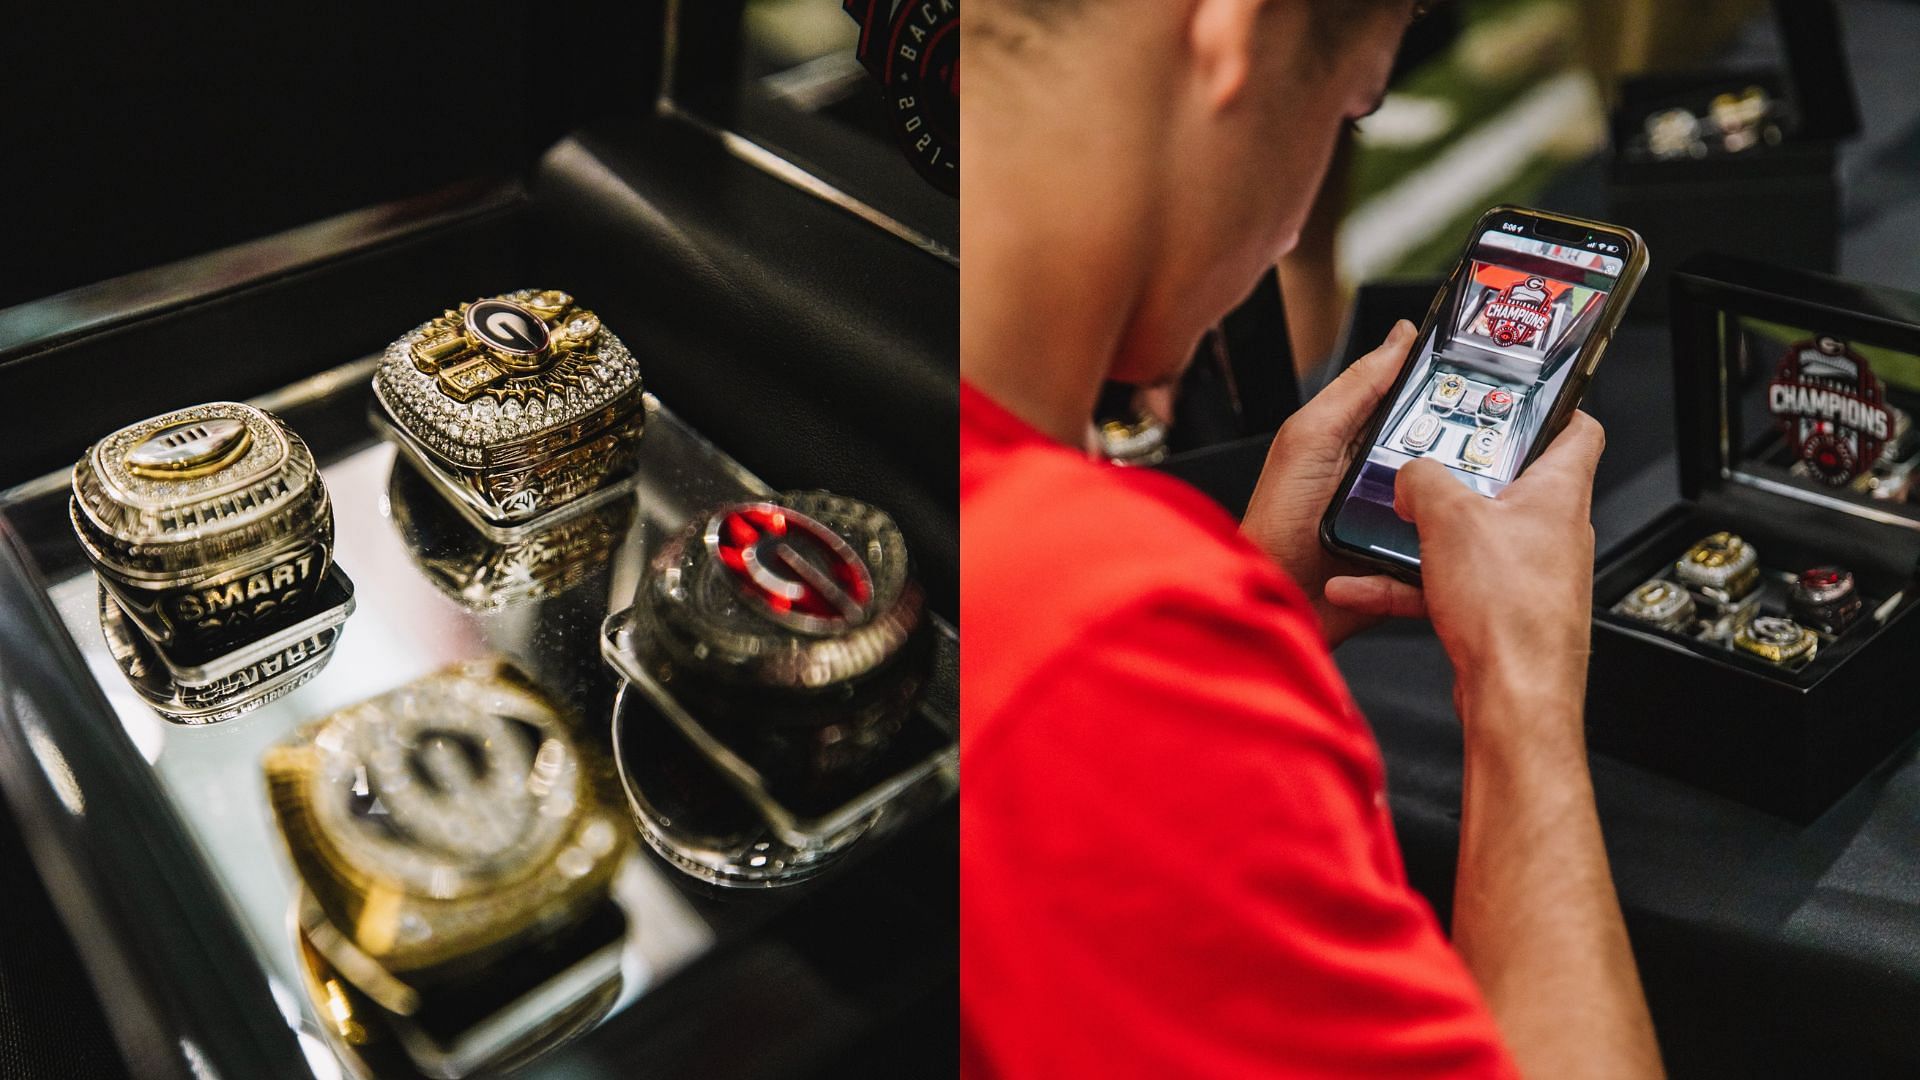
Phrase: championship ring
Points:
(1482, 448)
(1674, 133)
(1142, 441)
(784, 649)
(1447, 392)
(520, 408)
(457, 856)
(1742, 119)
(1422, 433)
(1722, 567)
(912, 47)
(1660, 603)
(1496, 405)
(1825, 599)
(211, 534)
(1776, 640)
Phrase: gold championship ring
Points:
(1659, 603)
(1722, 567)
(457, 855)
(211, 534)
(1776, 640)
(519, 407)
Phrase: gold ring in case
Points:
(1659, 603)
(1722, 567)
(211, 534)
(446, 832)
(1482, 448)
(1448, 390)
(519, 407)
(1776, 640)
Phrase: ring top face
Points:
(1823, 585)
(809, 591)
(1660, 602)
(1496, 404)
(1776, 639)
(196, 486)
(442, 817)
(1825, 598)
(1422, 433)
(802, 574)
(504, 376)
(1722, 561)
(1448, 391)
(1482, 447)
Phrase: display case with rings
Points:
(474, 843)
(1754, 638)
(1698, 157)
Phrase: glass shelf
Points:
(431, 593)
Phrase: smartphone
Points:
(1507, 351)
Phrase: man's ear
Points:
(1222, 35)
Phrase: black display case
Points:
(1781, 171)
(1787, 739)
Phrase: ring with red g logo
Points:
(799, 592)
(1824, 598)
(1496, 404)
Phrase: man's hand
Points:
(1305, 465)
(1478, 554)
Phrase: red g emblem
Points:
(1520, 313)
(1832, 409)
(799, 571)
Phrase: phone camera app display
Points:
(1485, 378)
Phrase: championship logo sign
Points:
(1832, 409)
(1520, 313)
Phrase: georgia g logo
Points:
(1832, 409)
(505, 326)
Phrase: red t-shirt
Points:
(1176, 857)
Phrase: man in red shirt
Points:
(1176, 854)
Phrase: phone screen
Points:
(1484, 378)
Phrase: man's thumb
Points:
(1422, 485)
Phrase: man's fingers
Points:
(1361, 386)
(1570, 460)
(1423, 484)
(1380, 596)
